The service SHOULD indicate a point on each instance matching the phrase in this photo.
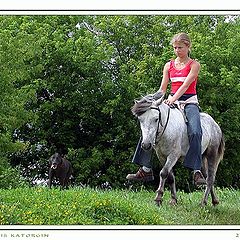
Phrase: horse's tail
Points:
(221, 148)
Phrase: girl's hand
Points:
(169, 101)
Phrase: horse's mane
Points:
(142, 105)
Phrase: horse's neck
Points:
(175, 120)
(164, 108)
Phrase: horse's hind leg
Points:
(211, 176)
(213, 162)
(68, 177)
(205, 197)
(62, 180)
(210, 189)
(215, 200)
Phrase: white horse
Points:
(164, 129)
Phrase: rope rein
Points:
(160, 123)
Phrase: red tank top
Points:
(178, 76)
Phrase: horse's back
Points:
(212, 134)
(67, 166)
(209, 124)
(70, 168)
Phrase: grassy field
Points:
(85, 206)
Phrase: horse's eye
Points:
(156, 120)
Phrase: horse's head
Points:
(148, 112)
(55, 160)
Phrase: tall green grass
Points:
(85, 206)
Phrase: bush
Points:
(11, 178)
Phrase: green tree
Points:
(69, 83)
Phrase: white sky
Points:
(25, 7)
(139, 5)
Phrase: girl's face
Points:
(180, 49)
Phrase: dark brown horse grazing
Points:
(61, 169)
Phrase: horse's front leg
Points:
(163, 176)
(166, 173)
(50, 178)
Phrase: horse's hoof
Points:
(173, 202)
(158, 202)
(203, 204)
(215, 202)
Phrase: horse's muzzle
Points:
(146, 146)
(54, 166)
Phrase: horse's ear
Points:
(159, 101)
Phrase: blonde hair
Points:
(181, 37)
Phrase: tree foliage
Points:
(68, 83)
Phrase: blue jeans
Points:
(141, 157)
(193, 159)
